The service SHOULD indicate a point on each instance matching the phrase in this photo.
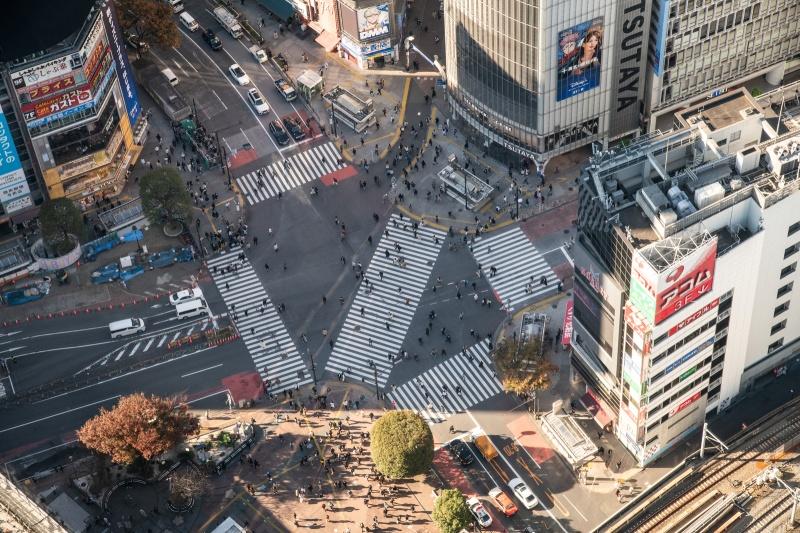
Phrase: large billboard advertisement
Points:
(54, 104)
(41, 73)
(14, 191)
(687, 281)
(373, 21)
(126, 80)
(632, 25)
(579, 58)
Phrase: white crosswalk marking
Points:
(275, 356)
(302, 168)
(364, 339)
(426, 395)
(147, 346)
(520, 267)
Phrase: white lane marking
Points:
(516, 474)
(220, 99)
(569, 258)
(59, 414)
(187, 61)
(163, 339)
(225, 391)
(147, 346)
(39, 453)
(203, 370)
(247, 138)
(177, 334)
(179, 67)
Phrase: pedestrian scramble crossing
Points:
(260, 326)
(519, 267)
(387, 298)
(469, 379)
(285, 175)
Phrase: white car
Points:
(238, 74)
(257, 101)
(479, 512)
(523, 493)
(185, 295)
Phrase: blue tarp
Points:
(133, 235)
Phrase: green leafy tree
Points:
(164, 197)
(151, 20)
(450, 511)
(59, 219)
(402, 444)
(138, 427)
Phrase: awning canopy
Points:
(596, 410)
(280, 8)
(310, 79)
(327, 40)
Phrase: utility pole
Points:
(516, 199)
(199, 240)
(313, 368)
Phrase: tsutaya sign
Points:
(630, 55)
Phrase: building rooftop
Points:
(25, 29)
(728, 150)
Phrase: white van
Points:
(123, 328)
(171, 77)
(176, 5)
(191, 308)
(188, 21)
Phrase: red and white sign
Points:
(46, 107)
(52, 87)
(42, 72)
(567, 335)
(685, 403)
(687, 282)
(694, 316)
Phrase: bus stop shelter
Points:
(309, 83)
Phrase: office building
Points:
(537, 78)
(685, 266)
(71, 103)
(701, 48)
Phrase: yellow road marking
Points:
(556, 503)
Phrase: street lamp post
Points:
(199, 240)
(516, 199)
(313, 368)
(408, 42)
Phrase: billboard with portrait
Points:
(373, 21)
(579, 58)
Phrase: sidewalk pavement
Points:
(266, 493)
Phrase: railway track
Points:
(681, 502)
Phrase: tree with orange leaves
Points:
(151, 20)
(138, 426)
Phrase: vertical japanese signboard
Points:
(15, 194)
(125, 74)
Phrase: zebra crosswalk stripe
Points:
(304, 167)
(478, 383)
(519, 265)
(260, 326)
(364, 343)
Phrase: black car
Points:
(460, 452)
(277, 131)
(213, 41)
(294, 129)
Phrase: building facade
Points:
(76, 108)
(685, 267)
(700, 48)
(537, 78)
(371, 31)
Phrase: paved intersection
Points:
(451, 387)
(295, 171)
(519, 267)
(260, 326)
(387, 298)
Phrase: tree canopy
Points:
(59, 219)
(450, 511)
(402, 444)
(151, 20)
(164, 197)
(138, 426)
(523, 368)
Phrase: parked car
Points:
(213, 41)
(238, 74)
(294, 128)
(185, 295)
(523, 493)
(258, 54)
(257, 101)
(479, 512)
(286, 90)
(460, 452)
(106, 274)
(503, 502)
(162, 259)
(278, 132)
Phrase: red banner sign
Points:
(50, 88)
(567, 336)
(685, 403)
(686, 286)
(57, 103)
(694, 316)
